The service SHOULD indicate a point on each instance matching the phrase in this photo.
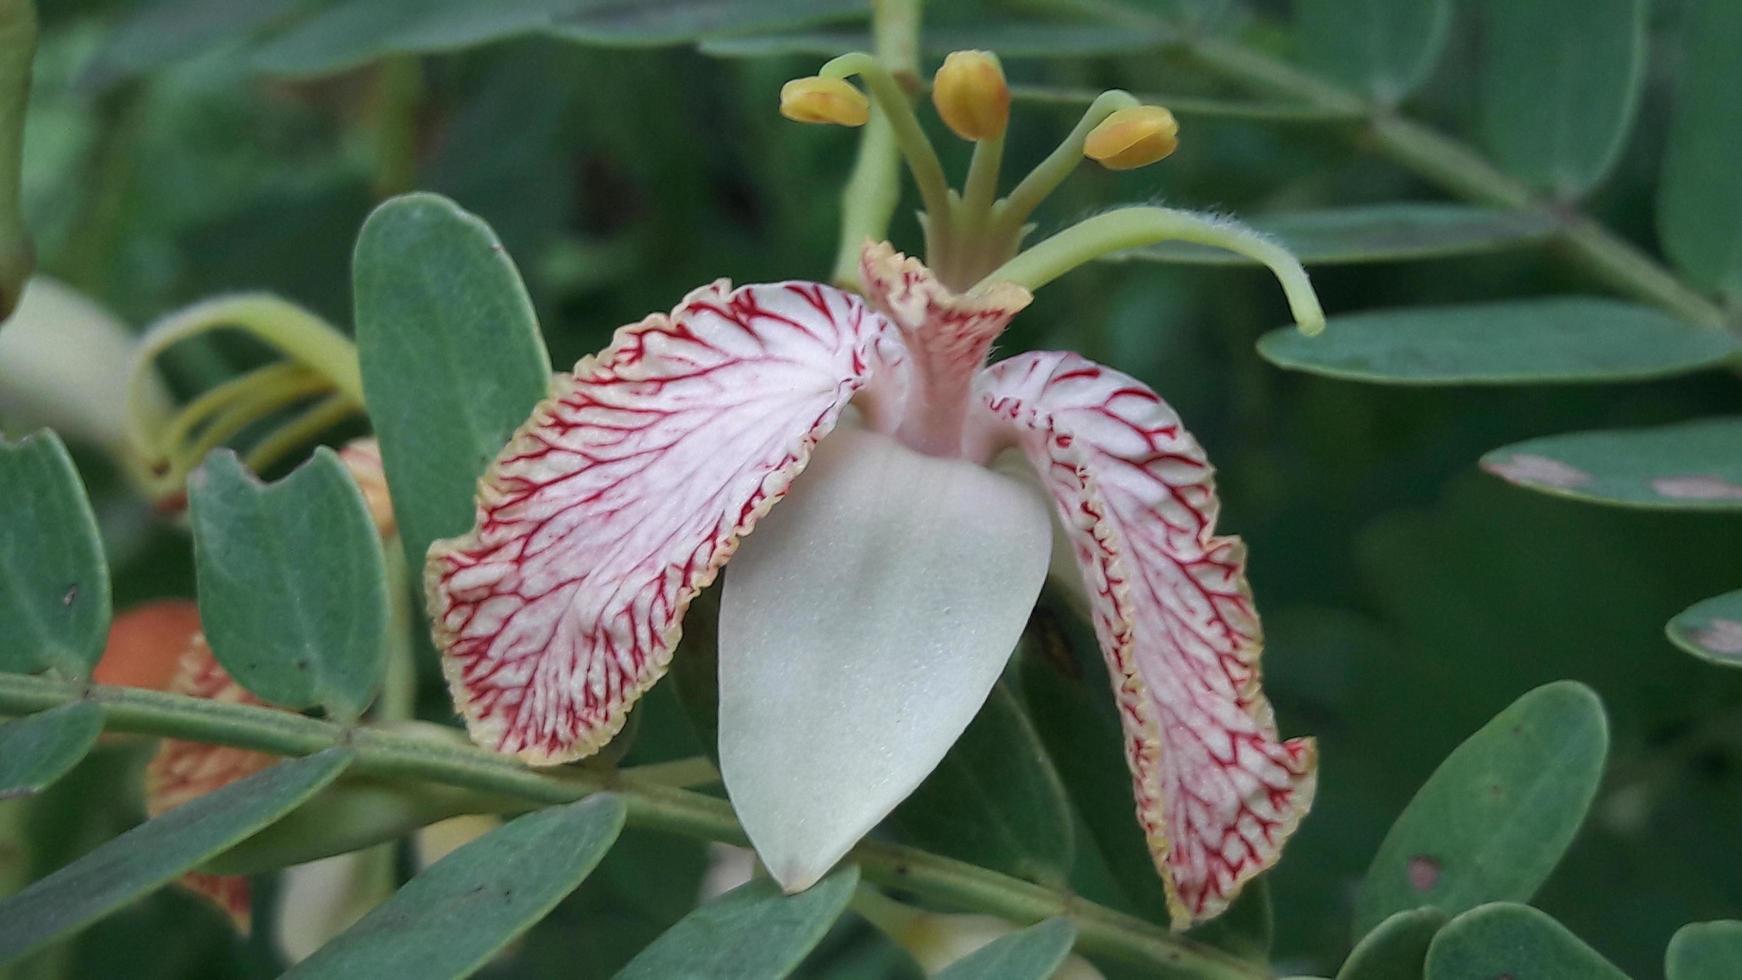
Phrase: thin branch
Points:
(439, 755)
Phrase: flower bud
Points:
(1133, 137)
(971, 95)
(824, 100)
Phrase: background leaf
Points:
(995, 799)
(751, 931)
(1495, 817)
(1371, 233)
(1029, 954)
(292, 583)
(355, 32)
(451, 356)
(1690, 466)
(155, 852)
(450, 919)
(1503, 939)
(1010, 39)
(1396, 949)
(1385, 48)
(1705, 951)
(1700, 197)
(1559, 83)
(38, 749)
(1523, 342)
(1711, 630)
(54, 582)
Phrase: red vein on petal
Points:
(1217, 792)
(623, 495)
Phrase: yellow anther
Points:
(1134, 137)
(824, 100)
(971, 95)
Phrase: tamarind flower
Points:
(865, 622)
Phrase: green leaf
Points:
(1385, 48)
(751, 931)
(292, 582)
(1248, 926)
(1689, 466)
(1711, 629)
(1699, 206)
(1556, 101)
(1011, 39)
(1506, 940)
(1705, 951)
(157, 851)
(1396, 949)
(39, 749)
(161, 33)
(54, 582)
(451, 357)
(995, 799)
(1541, 341)
(1030, 954)
(355, 32)
(1371, 233)
(1496, 816)
(450, 919)
(1066, 691)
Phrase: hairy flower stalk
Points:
(864, 623)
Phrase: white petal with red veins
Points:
(625, 492)
(1218, 792)
(860, 631)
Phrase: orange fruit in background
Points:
(146, 643)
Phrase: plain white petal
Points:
(861, 628)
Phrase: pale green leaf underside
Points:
(1385, 48)
(292, 582)
(453, 917)
(1010, 39)
(1033, 953)
(1371, 233)
(1539, 341)
(1688, 466)
(38, 749)
(157, 851)
(1493, 820)
(54, 581)
(1504, 939)
(451, 356)
(1699, 212)
(1705, 951)
(1711, 629)
(751, 931)
(1396, 949)
(356, 32)
(1556, 103)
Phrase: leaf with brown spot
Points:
(1495, 817)
(1687, 466)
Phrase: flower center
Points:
(974, 236)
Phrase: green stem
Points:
(299, 431)
(922, 159)
(1045, 178)
(1134, 227)
(1463, 172)
(441, 756)
(873, 189)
